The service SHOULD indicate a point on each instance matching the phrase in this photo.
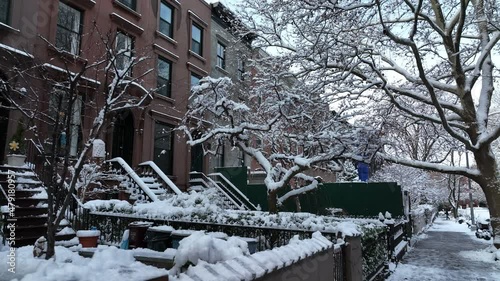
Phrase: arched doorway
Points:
(123, 136)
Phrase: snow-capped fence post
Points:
(354, 258)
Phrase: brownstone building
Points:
(172, 35)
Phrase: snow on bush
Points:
(204, 207)
(112, 205)
(200, 246)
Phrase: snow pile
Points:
(488, 255)
(107, 264)
(256, 265)
(204, 247)
(197, 205)
(112, 205)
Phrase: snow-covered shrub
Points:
(204, 247)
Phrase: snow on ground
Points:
(109, 264)
(448, 251)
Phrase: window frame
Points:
(60, 28)
(132, 5)
(195, 75)
(7, 12)
(194, 42)
(170, 161)
(126, 55)
(221, 55)
(168, 86)
(171, 25)
(240, 69)
(77, 115)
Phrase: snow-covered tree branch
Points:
(431, 60)
(279, 122)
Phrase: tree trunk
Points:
(272, 201)
(489, 180)
(51, 240)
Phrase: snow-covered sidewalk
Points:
(448, 251)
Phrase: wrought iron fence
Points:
(112, 227)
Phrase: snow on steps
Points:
(258, 264)
(135, 177)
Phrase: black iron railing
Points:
(112, 227)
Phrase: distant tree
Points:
(56, 102)
(422, 186)
(427, 58)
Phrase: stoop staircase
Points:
(29, 206)
(231, 196)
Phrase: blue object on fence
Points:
(363, 171)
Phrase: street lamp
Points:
(470, 193)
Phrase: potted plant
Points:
(17, 147)
(88, 238)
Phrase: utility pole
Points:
(470, 193)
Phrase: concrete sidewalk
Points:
(448, 251)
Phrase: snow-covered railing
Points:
(208, 182)
(162, 175)
(112, 226)
(280, 263)
(234, 190)
(133, 175)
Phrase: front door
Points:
(197, 158)
(123, 137)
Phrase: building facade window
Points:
(5, 11)
(241, 69)
(195, 79)
(69, 29)
(124, 46)
(163, 147)
(164, 77)
(58, 105)
(197, 39)
(221, 55)
(166, 19)
(132, 4)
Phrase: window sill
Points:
(164, 98)
(66, 55)
(221, 70)
(159, 34)
(125, 24)
(134, 13)
(4, 26)
(193, 54)
(83, 4)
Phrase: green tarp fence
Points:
(355, 199)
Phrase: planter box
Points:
(16, 160)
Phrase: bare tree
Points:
(431, 59)
(67, 108)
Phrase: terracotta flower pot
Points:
(88, 238)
